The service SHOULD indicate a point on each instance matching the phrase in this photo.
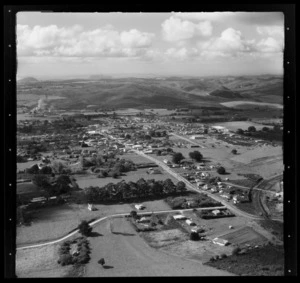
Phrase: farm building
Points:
(139, 206)
(216, 212)
(190, 222)
(179, 217)
(220, 242)
(196, 137)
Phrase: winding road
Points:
(114, 216)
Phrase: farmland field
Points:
(245, 236)
(86, 181)
(39, 262)
(51, 223)
(233, 126)
(239, 103)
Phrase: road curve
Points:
(112, 216)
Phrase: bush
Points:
(221, 170)
(65, 259)
(236, 251)
(84, 228)
(194, 236)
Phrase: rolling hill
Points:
(153, 93)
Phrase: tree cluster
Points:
(196, 155)
(131, 190)
(177, 157)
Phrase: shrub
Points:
(65, 259)
(84, 228)
(221, 170)
(194, 236)
(236, 251)
(223, 256)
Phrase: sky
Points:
(61, 45)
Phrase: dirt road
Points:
(126, 254)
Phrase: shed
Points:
(179, 217)
(220, 242)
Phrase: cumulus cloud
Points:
(230, 42)
(175, 29)
(277, 31)
(74, 41)
(262, 18)
(274, 41)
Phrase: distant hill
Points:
(99, 77)
(28, 80)
(153, 93)
(226, 93)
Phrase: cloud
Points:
(175, 29)
(262, 18)
(230, 42)
(74, 41)
(270, 45)
(277, 31)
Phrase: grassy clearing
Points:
(52, 223)
(266, 261)
(133, 176)
(245, 236)
(39, 262)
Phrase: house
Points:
(143, 220)
(91, 207)
(139, 206)
(190, 222)
(179, 217)
(220, 242)
(216, 212)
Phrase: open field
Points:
(265, 261)
(233, 126)
(39, 262)
(51, 223)
(86, 181)
(244, 236)
(240, 103)
(126, 254)
(165, 238)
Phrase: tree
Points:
(194, 236)
(265, 129)
(240, 131)
(84, 228)
(62, 184)
(158, 152)
(196, 155)
(133, 214)
(41, 181)
(221, 170)
(205, 131)
(251, 129)
(169, 186)
(177, 157)
(181, 187)
(234, 151)
(101, 261)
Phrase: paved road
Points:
(186, 139)
(189, 185)
(113, 216)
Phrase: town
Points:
(173, 179)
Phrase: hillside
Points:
(153, 93)
(27, 80)
(226, 93)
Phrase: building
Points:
(220, 242)
(179, 217)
